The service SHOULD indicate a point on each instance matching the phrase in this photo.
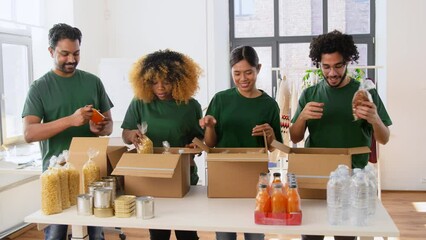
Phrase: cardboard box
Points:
(78, 154)
(233, 172)
(157, 174)
(312, 166)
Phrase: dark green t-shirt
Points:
(337, 128)
(237, 115)
(167, 121)
(52, 97)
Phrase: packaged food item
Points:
(51, 202)
(91, 171)
(362, 95)
(145, 144)
(166, 146)
(97, 116)
(73, 179)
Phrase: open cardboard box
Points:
(233, 172)
(157, 174)
(312, 166)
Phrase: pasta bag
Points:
(362, 95)
(51, 202)
(91, 171)
(63, 178)
(145, 144)
(73, 179)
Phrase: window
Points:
(286, 27)
(15, 78)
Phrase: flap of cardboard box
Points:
(201, 145)
(337, 151)
(114, 154)
(147, 165)
(237, 157)
(78, 152)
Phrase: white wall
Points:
(402, 160)
(127, 29)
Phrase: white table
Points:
(197, 212)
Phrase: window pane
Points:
(264, 79)
(294, 59)
(349, 16)
(362, 61)
(28, 11)
(6, 9)
(254, 18)
(300, 17)
(15, 82)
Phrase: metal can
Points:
(110, 181)
(145, 207)
(102, 197)
(84, 205)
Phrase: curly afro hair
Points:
(333, 42)
(176, 67)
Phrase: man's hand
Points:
(368, 111)
(312, 110)
(81, 116)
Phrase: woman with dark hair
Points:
(164, 83)
(240, 116)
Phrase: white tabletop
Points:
(197, 212)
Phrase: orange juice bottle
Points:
(278, 199)
(263, 200)
(293, 199)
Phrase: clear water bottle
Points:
(370, 172)
(344, 175)
(359, 200)
(334, 199)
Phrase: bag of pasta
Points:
(51, 190)
(362, 95)
(63, 178)
(145, 144)
(91, 171)
(73, 179)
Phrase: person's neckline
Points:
(257, 93)
(62, 75)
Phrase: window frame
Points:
(276, 40)
(22, 38)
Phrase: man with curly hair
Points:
(59, 106)
(325, 109)
(164, 83)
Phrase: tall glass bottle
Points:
(293, 202)
(278, 200)
(263, 199)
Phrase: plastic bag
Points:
(51, 190)
(73, 179)
(145, 144)
(91, 171)
(166, 146)
(362, 95)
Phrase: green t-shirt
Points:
(337, 128)
(167, 121)
(52, 97)
(237, 115)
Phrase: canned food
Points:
(145, 207)
(102, 197)
(84, 205)
(110, 181)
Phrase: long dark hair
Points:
(244, 53)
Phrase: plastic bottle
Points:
(359, 203)
(343, 173)
(334, 199)
(278, 200)
(263, 200)
(293, 201)
(370, 172)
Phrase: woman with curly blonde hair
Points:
(164, 83)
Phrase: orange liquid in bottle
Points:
(293, 199)
(263, 200)
(278, 199)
